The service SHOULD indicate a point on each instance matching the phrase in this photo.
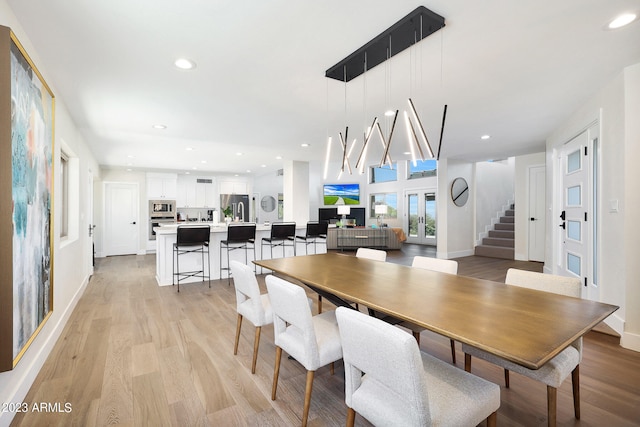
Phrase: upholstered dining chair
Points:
(435, 264)
(374, 254)
(554, 372)
(250, 304)
(390, 382)
(314, 341)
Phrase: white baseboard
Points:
(31, 363)
(630, 341)
(457, 254)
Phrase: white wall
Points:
(631, 337)
(268, 185)
(616, 107)
(71, 260)
(455, 232)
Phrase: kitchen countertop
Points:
(170, 228)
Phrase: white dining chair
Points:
(434, 264)
(250, 304)
(314, 341)
(374, 254)
(554, 372)
(390, 382)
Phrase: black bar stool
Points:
(191, 240)
(281, 233)
(316, 233)
(239, 236)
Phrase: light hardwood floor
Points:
(135, 354)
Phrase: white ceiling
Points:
(512, 69)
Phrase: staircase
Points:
(500, 242)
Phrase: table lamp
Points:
(381, 211)
(344, 211)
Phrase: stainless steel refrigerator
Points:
(239, 204)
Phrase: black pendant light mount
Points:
(411, 29)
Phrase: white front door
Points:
(537, 218)
(420, 220)
(122, 224)
(576, 219)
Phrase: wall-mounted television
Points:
(341, 194)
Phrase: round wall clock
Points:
(459, 191)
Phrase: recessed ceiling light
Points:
(622, 20)
(159, 126)
(278, 157)
(185, 64)
(128, 169)
(187, 173)
(194, 168)
(407, 153)
(304, 144)
(189, 148)
(239, 153)
(390, 113)
(248, 170)
(485, 137)
(130, 156)
(263, 166)
(203, 161)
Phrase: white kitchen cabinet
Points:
(162, 186)
(186, 197)
(233, 187)
(205, 192)
(196, 192)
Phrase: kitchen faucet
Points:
(241, 211)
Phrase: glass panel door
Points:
(421, 216)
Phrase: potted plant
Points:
(227, 214)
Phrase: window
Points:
(69, 197)
(64, 194)
(422, 168)
(389, 199)
(384, 173)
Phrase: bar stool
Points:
(239, 236)
(281, 233)
(191, 240)
(315, 230)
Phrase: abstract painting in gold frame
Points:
(26, 200)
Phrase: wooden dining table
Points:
(525, 326)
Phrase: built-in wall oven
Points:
(160, 212)
(157, 223)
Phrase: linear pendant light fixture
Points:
(414, 27)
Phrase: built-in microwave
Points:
(162, 208)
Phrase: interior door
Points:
(121, 219)
(575, 217)
(90, 224)
(537, 217)
(420, 221)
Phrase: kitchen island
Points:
(166, 237)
